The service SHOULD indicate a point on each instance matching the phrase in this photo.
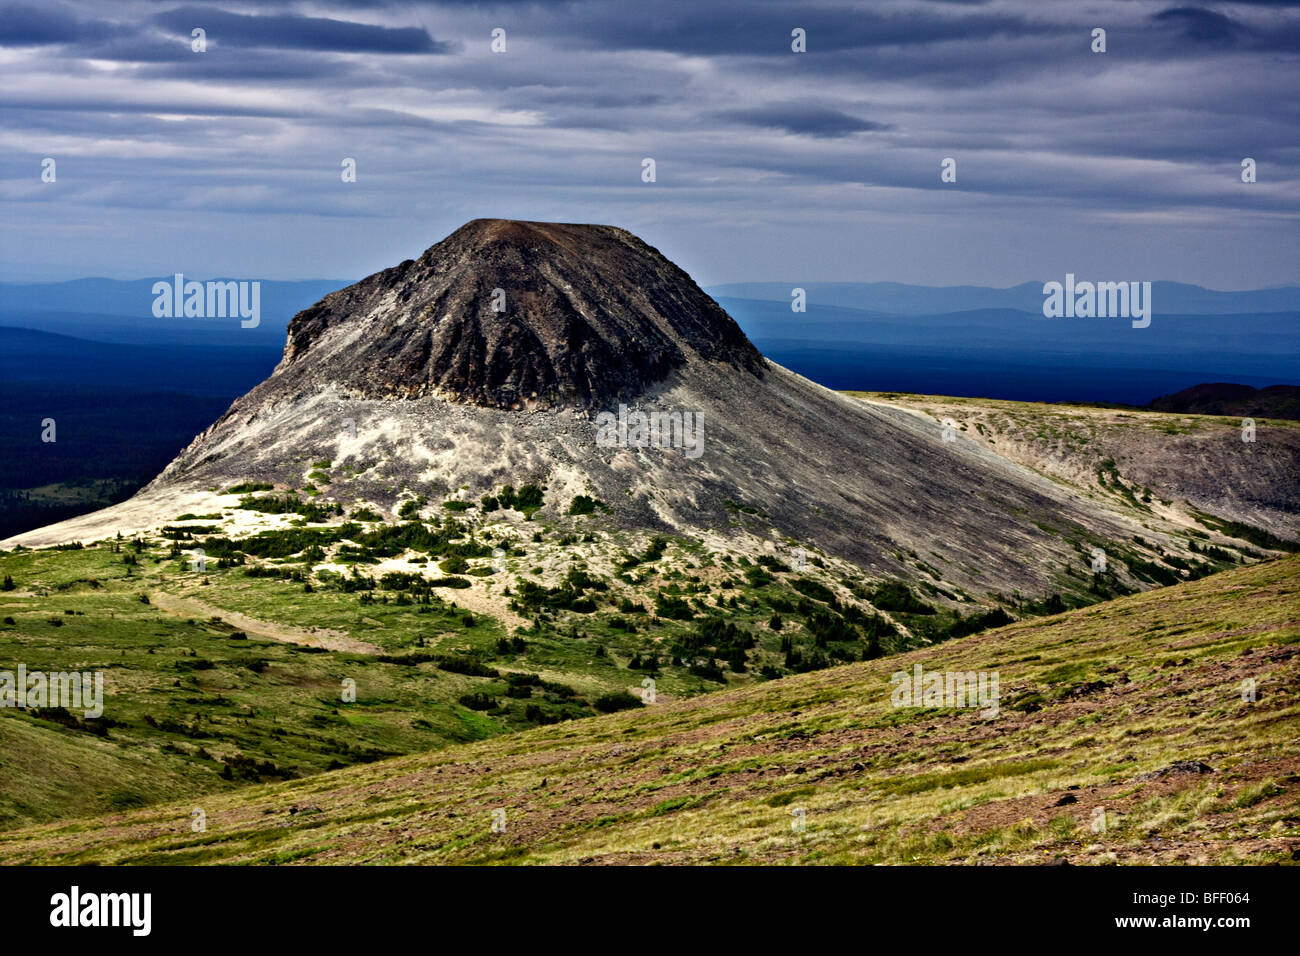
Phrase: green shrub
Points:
(464, 665)
(619, 700)
(585, 505)
(451, 583)
(673, 608)
(897, 597)
(527, 499)
(410, 509)
(454, 565)
(248, 486)
(813, 589)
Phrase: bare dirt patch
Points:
(327, 638)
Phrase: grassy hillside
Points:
(1129, 712)
(1168, 472)
(236, 674)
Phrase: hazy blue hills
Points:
(959, 340)
(113, 310)
(1016, 354)
(32, 356)
(134, 297)
(996, 343)
(892, 297)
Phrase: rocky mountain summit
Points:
(514, 315)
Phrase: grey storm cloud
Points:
(23, 24)
(728, 29)
(1209, 27)
(801, 119)
(301, 33)
(1201, 25)
(234, 153)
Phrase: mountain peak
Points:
(512, 314)
(525, 231)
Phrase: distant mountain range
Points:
(1170, 298)
(128, 303)
(114, 310)
(48, 358)
(955, 340)
(1010, 353)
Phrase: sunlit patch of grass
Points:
(1063, 827)
(1256, 794)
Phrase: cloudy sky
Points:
(771, 164)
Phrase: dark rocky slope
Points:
(584, 316)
